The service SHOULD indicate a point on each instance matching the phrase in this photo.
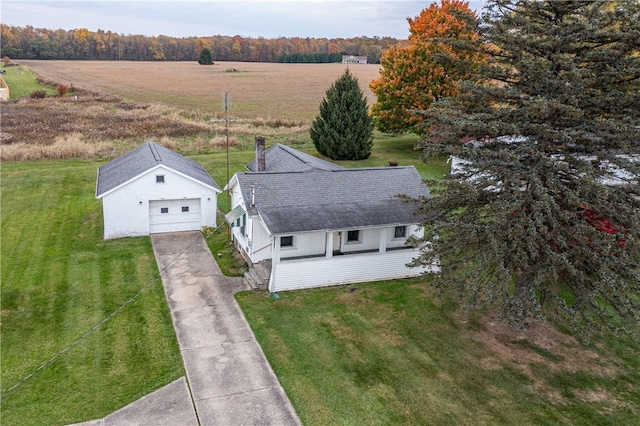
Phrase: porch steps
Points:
(257, 278)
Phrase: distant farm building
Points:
(350, 59)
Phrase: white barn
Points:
(351, 59)
(317, 224)
(153, 189)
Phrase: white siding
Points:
(369, 240)
(257, 243)
(321, 272)
(126, 209)
(305, 245)
(260, 243)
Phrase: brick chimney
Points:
(260, 160)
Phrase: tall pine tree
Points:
(538, 221)
(343, 130)
(205, 57)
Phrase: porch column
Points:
(328, 249)
(276, 250)
(383, 240)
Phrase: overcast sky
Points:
(199, 18)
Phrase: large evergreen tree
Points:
(205, 57)
(534, 222)
(343, 130)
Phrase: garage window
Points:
(159, 178)
(185, 209)
(164, 209)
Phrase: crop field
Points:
(256, 90)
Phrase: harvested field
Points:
(258, 90)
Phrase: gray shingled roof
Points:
(143, 158)
(337, 199)
(281, 158)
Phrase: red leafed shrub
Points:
(62, 90)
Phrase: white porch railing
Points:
(296, 274)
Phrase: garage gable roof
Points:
(146, 157)
(296, 202)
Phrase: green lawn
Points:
(390, 353)
(22, 82)
(60, 279)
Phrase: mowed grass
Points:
(22, 82)
(390, 353)
(59, 280)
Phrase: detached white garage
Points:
(153, 189)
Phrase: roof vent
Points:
(154, 151)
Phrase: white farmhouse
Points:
(351, 59)
(153, 189)
(314, 223)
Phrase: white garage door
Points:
(174, 215)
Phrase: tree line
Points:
(81, 44)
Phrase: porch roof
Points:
(233, 215)
(296, 202)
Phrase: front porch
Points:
(321, 271)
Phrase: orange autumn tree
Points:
(415, 75)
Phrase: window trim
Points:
(243, 227)
(404, 232)
(356, 240)
(288, 246)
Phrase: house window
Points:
(400, 232)
(243, 228)
(286, 241)
(164, 209)
(185, 209)
(353, 236)
(159, 178)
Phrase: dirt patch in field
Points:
(541, 347)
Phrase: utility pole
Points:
(227, 100)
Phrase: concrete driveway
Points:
(229, 381)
